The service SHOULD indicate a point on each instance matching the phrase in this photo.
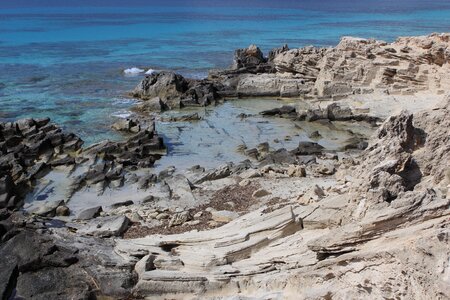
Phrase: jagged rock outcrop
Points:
(167, 90)
(29, 149)
(32, 148)
(248, 58)
(405, 66)
(354, 66)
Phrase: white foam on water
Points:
(150, 72)
(123, 114)
(133, 71)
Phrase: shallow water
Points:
(214, 139)
(66, 60)
(209, 142)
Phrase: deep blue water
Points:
(65, 59)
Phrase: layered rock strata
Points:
(355, 66)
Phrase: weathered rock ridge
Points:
(355, 66)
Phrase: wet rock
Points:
(90, 213)
(308, 148)
(174, 91)
(284, 110)
(252, 153)
(263, 148)
(280, 156)
(121, 204)
(183, 118)
(7, 188)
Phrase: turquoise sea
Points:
(65, 59)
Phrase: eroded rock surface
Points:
(355, 66)
(374, 236)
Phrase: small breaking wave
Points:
(123, 114)
(133, 71)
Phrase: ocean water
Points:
(65, 59)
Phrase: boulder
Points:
(165, 85)
(168, 90)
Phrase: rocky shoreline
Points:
(354, 67)
(370, 220)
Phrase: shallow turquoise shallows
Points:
(67, 62)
